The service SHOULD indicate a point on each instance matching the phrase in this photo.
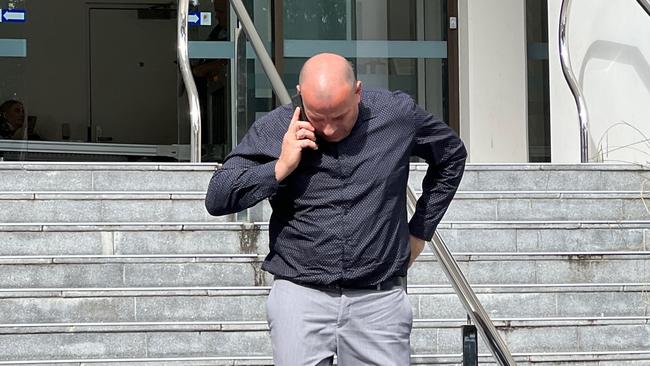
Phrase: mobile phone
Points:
(296, 101)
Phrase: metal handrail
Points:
(465, 293)
(263, 56)
(188, 80)
(567, 70)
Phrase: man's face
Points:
(335, 116)
(15, 115)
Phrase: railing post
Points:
(470, 345)
(256, 42)
(567, 70)
(188, 80)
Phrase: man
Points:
(12, 119)
(340, 245)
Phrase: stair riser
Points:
(257, 343)
(539, 180)
(256, 241)
(520, 271)
(252, 307)
(193, 210)
(474, 179)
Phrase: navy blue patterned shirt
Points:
(340, 217)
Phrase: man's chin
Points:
(331, 139)
(334, 137)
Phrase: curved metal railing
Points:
(188, 80)
(567, 70)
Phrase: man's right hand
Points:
(299, 136)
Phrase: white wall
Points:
(493, 80)
(609, 42)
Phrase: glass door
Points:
(393, 44)
(97, 81)
(398, 45)
(101, 82)
(14, 107)
(133, 78)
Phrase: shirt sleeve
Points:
(247, 176)
(442, 149)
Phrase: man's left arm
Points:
(442, 149)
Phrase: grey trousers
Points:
(361, 327)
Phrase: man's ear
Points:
(357, 91)
(298, 88)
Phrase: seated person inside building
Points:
(12, 121)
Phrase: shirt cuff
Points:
(418, 229)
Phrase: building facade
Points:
(100, 80)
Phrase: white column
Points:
(493, 97)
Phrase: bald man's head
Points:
(331, 95)
(328, 63)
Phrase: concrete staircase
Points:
(113, 264)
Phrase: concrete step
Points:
(181, 272)
(35, 207)
(429, 289)
(52, 207)
(543, 236)
(247, 340)
(261, 325)
(546, 177)
(633, 358)
(133, 238)
(553, 206)
(232, 304)
(557, 254)
(538, 270)
(243, 238)
(28, 176)
(243, 270)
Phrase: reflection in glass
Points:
(99, 86)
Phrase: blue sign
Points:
(194, 18)
(12, 16)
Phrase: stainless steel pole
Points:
(188, 80)
(260, 51)
(567, 70)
